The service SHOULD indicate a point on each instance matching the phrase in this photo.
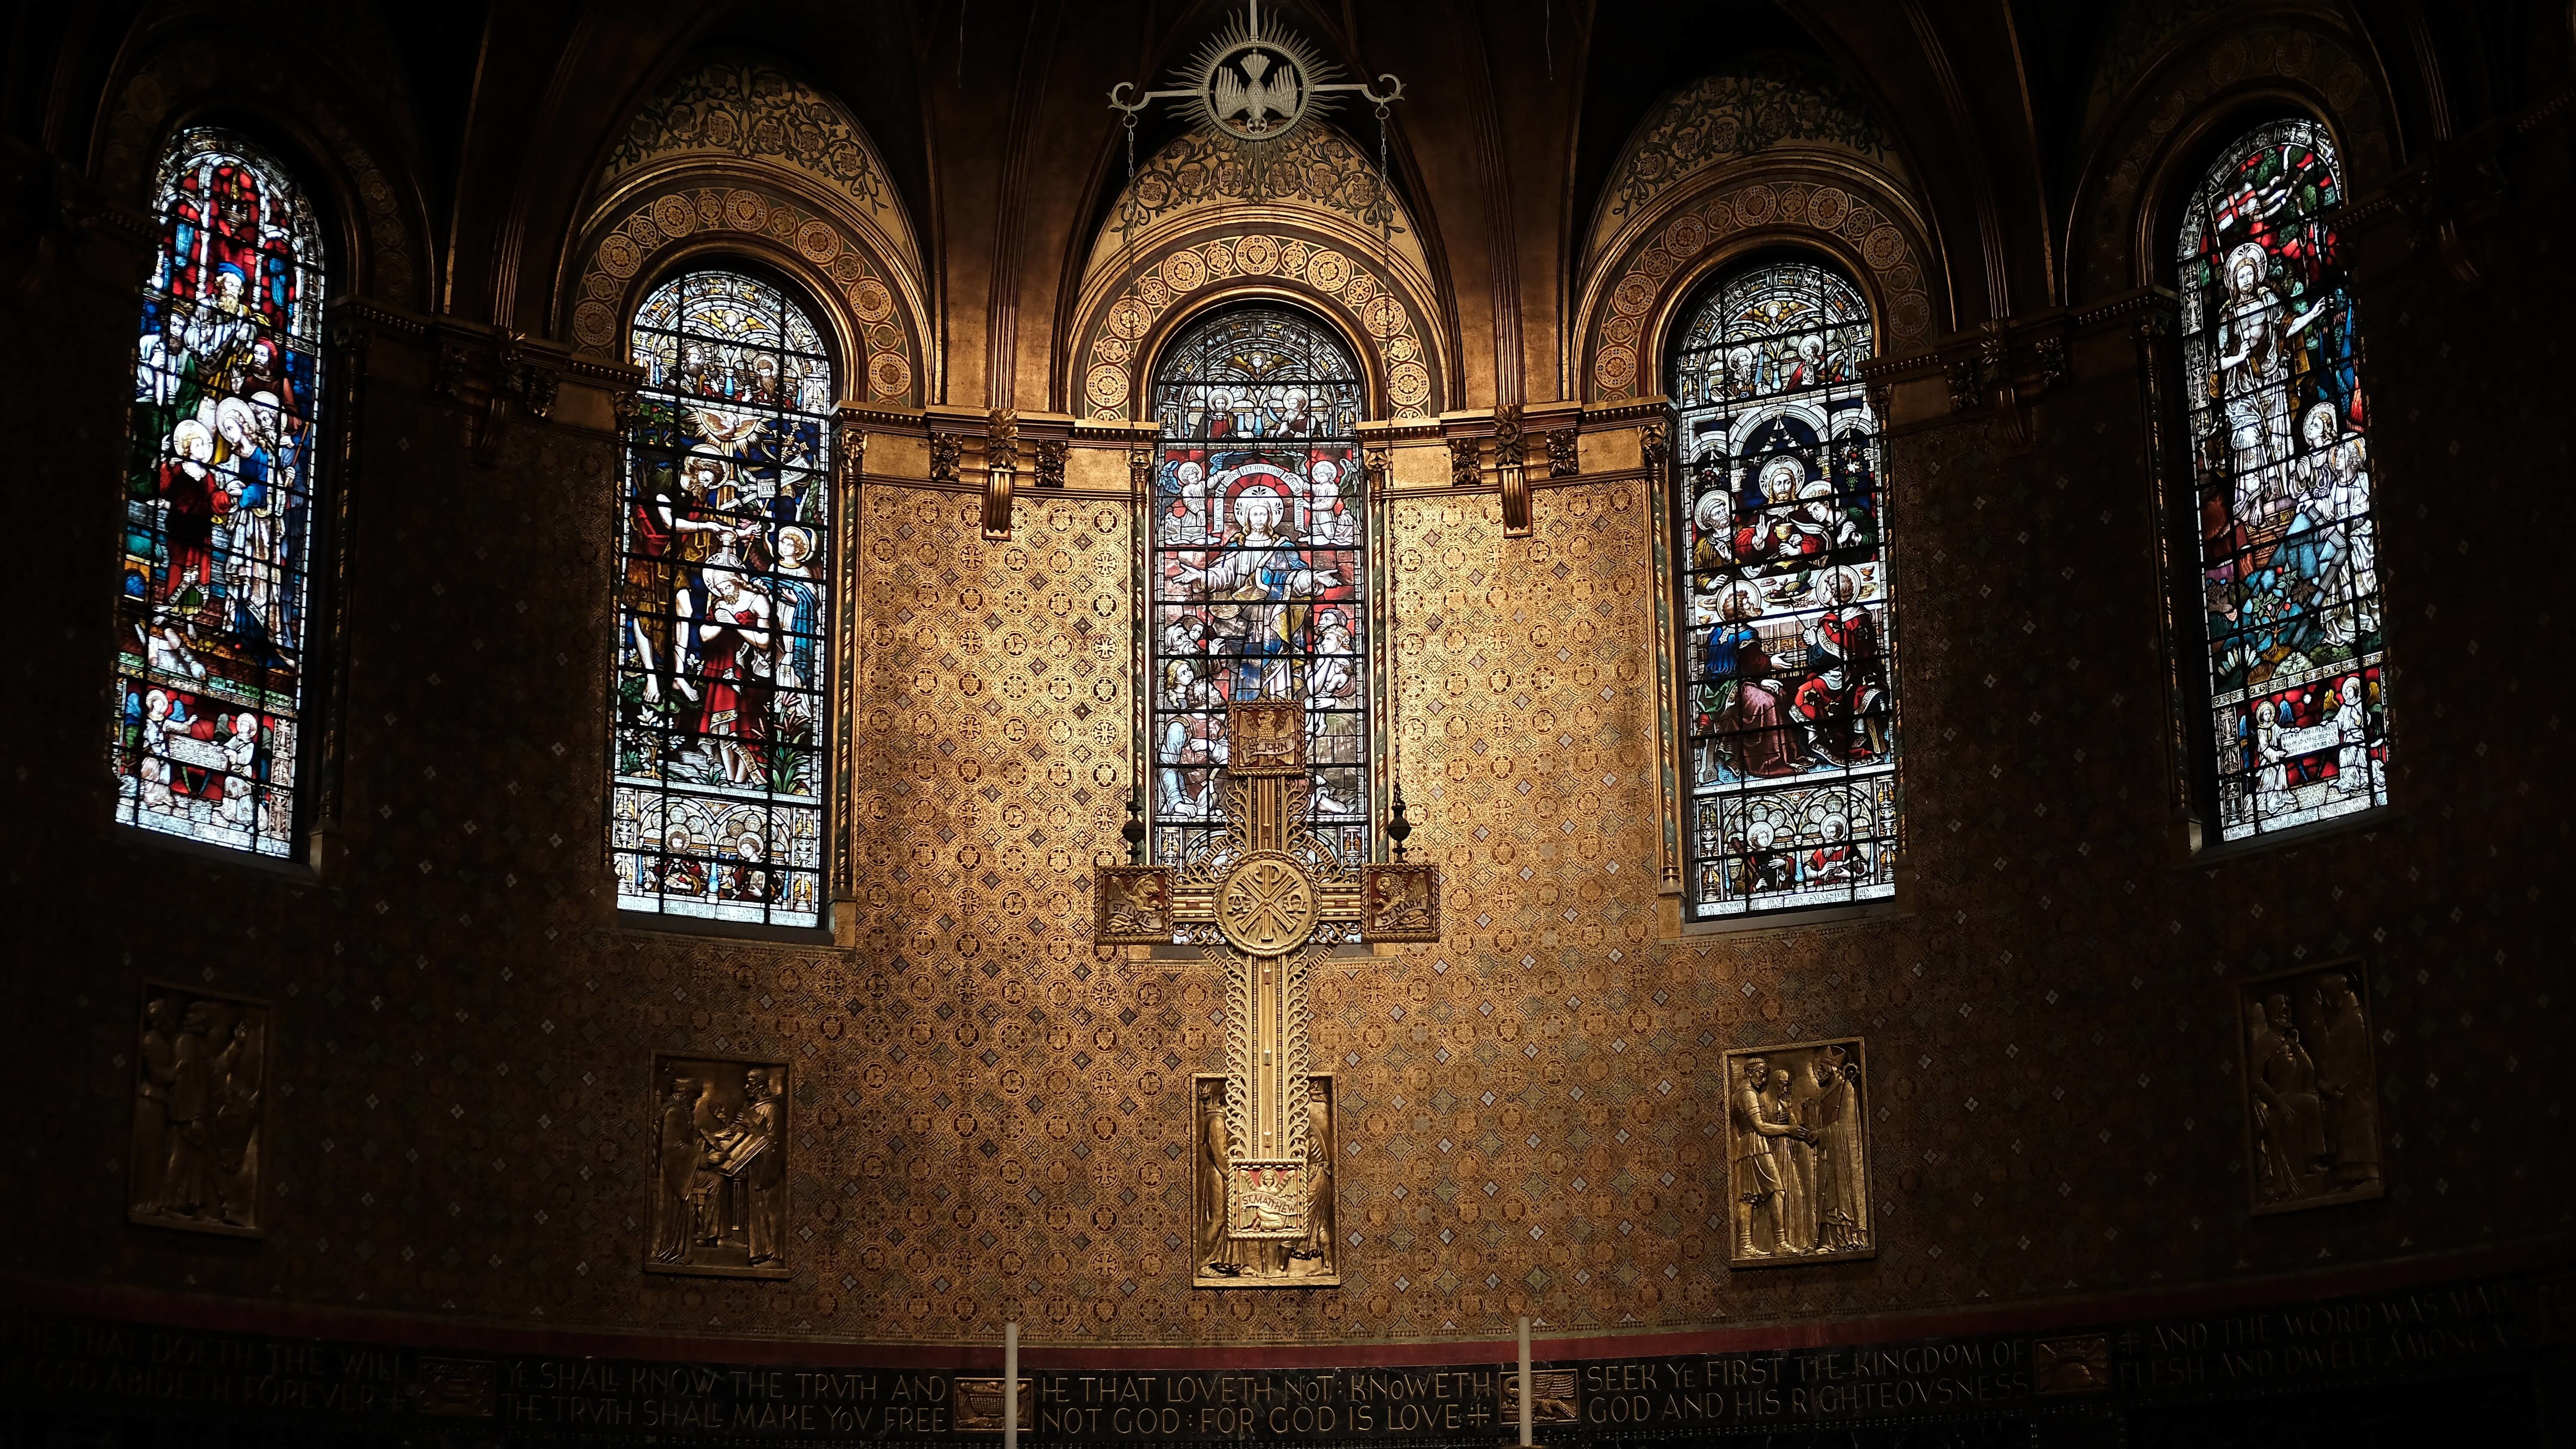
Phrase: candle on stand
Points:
(1525, 1385)
(1011, 1389)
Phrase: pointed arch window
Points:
(216, 607)
(1790, 751)
(1258, 555)
(2296, 713)
(723, 602)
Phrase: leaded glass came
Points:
(1791, 749)
(2289, 571)
(215, 607)
(1259, 553)
(716, 808)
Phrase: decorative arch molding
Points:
(1179, 270)
(1776, 102)
(731, 109)
(1317, 168)
(734, 156)
(181, 77)
(876, 317)
(1855, 215)
(2293, 60)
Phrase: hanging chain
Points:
(1394, 632)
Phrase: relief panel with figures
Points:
(200, 1105)
(1797, 1146)
(2311, 1098)
(719, 1168)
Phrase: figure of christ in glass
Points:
(1791, 721)
(2289, 573)
(215, 599)
(716, 806)
(1258, 562)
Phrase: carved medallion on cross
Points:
(1267, 897)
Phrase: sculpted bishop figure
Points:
(1266, 900)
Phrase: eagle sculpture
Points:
(1257, 101)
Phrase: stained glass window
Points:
(716, 808)
(2289, 571)
(1791, 739)
(1259, 564)
(215, 607)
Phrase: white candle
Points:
(1525, 1385)
(1011, 1389)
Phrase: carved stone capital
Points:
(1564, 458)
(1466, 462)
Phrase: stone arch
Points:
(1774, 102)
(1628, 305)
(735, 156)
(180, 77)
(1313, 228)
(2179, 106)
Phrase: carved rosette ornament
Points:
(1266, 898)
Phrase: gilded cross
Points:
(1267, 898)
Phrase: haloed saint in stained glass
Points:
(2289, 555)
(215, 608)
(716, 807)
(1792, 724)
(1259, 554)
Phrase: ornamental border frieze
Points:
(1621, 314)
(2117, 254)
(679, 215)
(155, 92)
(1329, 272)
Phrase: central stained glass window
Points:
(1791, 749)
(716, 808)
(1259, 563)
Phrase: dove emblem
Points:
(1250, 89)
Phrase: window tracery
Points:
(216, 603)
(723, 602)
(2289, 580)
(1791, 747)
(1259, 554)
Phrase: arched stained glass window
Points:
(1259, 563)
(216, 605)
(2289, 573)
(716, 806)
(1791, 749)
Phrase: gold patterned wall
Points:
(988, 1117)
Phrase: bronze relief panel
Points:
(720, 1168)
(1797, 1146)
(2311, 1094)
(1257, 1225)
(200, 1109)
